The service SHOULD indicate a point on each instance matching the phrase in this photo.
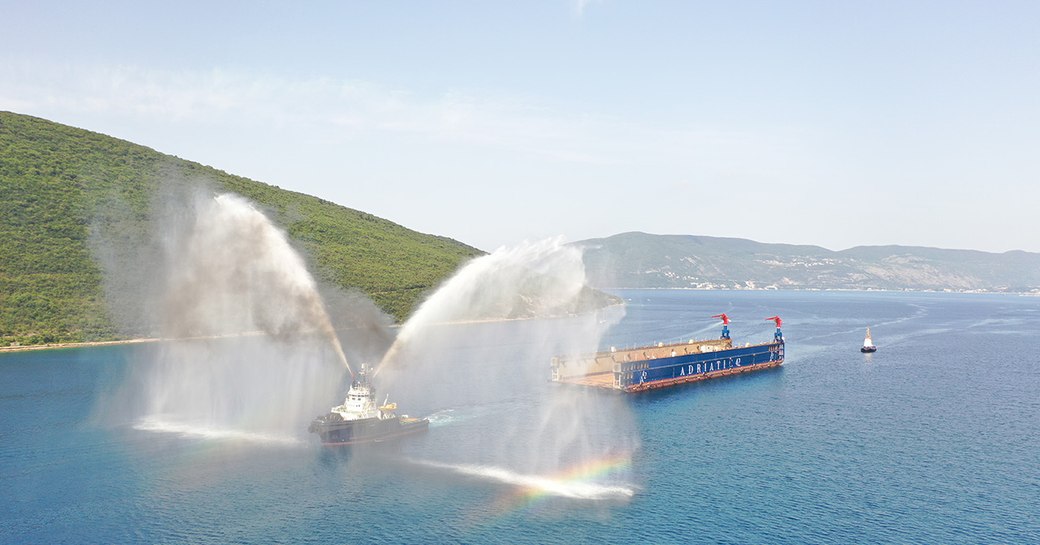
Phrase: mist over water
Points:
(253, 354)
(567, 488)
(453, 354)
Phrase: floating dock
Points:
(666, 365)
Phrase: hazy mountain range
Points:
(641, 260)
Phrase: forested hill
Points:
(641, 260)
(59, 183)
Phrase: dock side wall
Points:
(687, 368)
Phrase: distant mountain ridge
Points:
(641, 260)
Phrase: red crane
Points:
(776, 320)
(725, 325)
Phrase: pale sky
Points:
(831, 123)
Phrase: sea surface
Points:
(933, 439)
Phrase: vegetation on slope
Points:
(60, 186)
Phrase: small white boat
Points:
(868, 343)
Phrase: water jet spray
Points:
(481, 343)
(228, 274)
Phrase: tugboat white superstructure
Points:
(360, 420)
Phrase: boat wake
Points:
(446, 417)
(209, 432)
(537, 485)
(458, 415)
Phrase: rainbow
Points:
(575, 482)
(578, 481)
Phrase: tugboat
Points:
(868, 344)
(359, 420)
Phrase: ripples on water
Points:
(933, 439)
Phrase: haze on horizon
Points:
(832, 124)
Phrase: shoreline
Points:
(90, 344)
(140, 340)
(58, 346)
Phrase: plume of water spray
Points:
(526, 281)
(452, 353)
(254, 353)
(234, 272)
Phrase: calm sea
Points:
(933, 439)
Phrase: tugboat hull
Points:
(366, 430)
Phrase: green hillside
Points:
(60, 185)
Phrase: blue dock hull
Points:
(367, 430)
(669, 371)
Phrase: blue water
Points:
(933, 439)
